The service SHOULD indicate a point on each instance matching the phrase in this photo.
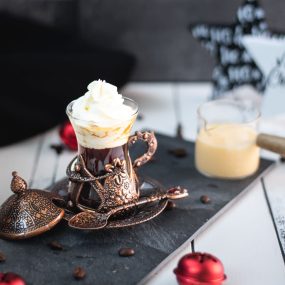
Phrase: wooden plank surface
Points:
(155, 105)
(45, 165)
(245, 241)
(274, 189)
(242, 238)
(190, 97)
(153, 241)
(21, 157)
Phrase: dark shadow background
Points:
(154, 31)
(51, 49)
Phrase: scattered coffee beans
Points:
(2, 257)
(126, 251)
(55, 245)
(205, 199)
(178, 152)
(79, 273)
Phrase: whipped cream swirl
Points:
(101, 119)
(102, 105)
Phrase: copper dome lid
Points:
(28, 212)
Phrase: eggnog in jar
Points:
(226, 140)
(227, 151)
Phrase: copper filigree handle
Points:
(151, 141)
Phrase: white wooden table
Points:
(243, 238)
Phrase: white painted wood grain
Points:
(51, 166)
(274, 184)
(20, 157)
(190, 97)
(63, 160)
(155, 104)
(45, 168)
(244, 239)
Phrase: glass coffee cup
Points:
(104, 150)
(226, 142)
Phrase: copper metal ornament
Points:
(123, 200)
(115, 188)
(137, 215)
(151, 141)
(28, 212)
(118, 186)
(96, 220)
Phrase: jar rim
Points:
(230, 102)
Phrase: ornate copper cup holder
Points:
(117, 198)
(30, 212)
(121, 199)
(113, 198)
(136, 215)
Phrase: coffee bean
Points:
(170, 205)
(178, 152)
(126, 251)
(55, 245)
(2, 257)
(79, 273)
(205, 199)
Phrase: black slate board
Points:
(153, 241)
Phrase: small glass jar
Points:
(226, 141)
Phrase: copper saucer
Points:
(137, 215)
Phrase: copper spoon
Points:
(91, 220)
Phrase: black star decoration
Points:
(234, 66)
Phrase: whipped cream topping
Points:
(101, 119)
(101, 104)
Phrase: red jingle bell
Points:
(10, 278)
(67, 135)
(200, 269)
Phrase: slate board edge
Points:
(186, 244)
